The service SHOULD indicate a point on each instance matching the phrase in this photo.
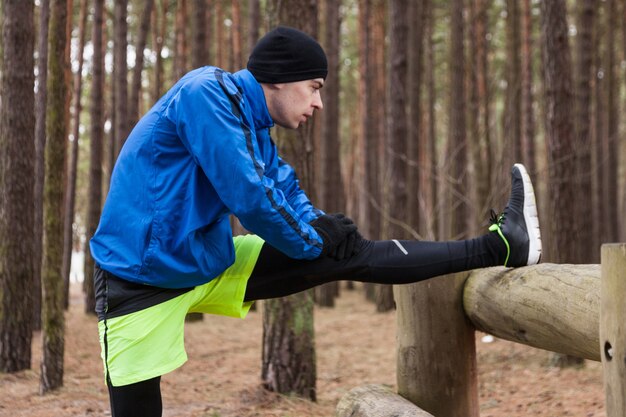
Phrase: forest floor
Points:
(355, 346)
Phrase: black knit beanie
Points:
(286, 55)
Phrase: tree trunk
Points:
(199, 45)
(367, 171)
(431, 166)
(560, 137)
(457, 135)
(289, 346)
(180, 29)
(158, 35)
(559, 129)
(332, 193)
(416, 145)
(94, 193)
(395, 182)
(288, 363)
(254, 21)
(135, 87)
(235, 29)
(473, 113)
(382, 294)
(611, 146)
(598, 128)
(40, 145)
(120, 70)
(53, 322)
(219, 32)
(622, 235)
(70, 195)
(528, 117)
(584, 74)
(395, 171)
(513, 106)
(366, 168)
(17, 154)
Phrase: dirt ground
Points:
(355, 346)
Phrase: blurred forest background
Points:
(427, 105)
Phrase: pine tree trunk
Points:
(380, 294)
(560, 138)
(415, 137)
(584, 74)
(53, 322)
(236, 36)
(288, 363)
(40, 145)
(395, 171)
(199, 40)
(288, 346)
(528, 117)
(135, 86)
(70, 195)
(120, 70)
(513, 106)
(364, 169)
(332, 192)
(598, 130)
(17, 154)
(180, 51)
(94, 193)
(158, 34)
(611, 149)
(457, 135)
(431, 166)
(254, 20)
(479, 186)
(485, 171)
(219, 32)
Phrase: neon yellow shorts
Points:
(150, 342)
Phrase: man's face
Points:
(291, 104)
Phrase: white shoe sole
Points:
(531, 218)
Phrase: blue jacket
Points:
(201, 153)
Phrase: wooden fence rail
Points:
(548, 306)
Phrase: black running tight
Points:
(142, 399)
(381, 262)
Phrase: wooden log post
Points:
(613, 327)
(436, 360)
(548, 306)
(376, 401)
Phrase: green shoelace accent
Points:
(495, 227)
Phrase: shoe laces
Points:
(496, 221)
(495, 218)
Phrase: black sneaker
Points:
(518, 224)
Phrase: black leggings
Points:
(142, 399)
(381, 262)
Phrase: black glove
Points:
(339, 234)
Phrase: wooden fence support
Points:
(436, 363)
(613, 327)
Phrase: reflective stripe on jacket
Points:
(201, 153)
